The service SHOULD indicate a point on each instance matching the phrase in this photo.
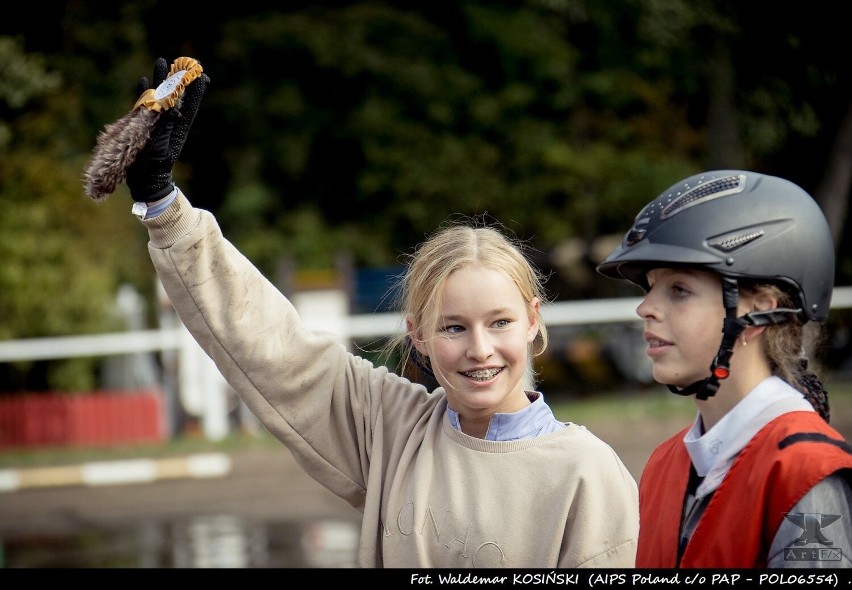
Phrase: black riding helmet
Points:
(739, 224)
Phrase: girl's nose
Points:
(480, 347)
(646, 307)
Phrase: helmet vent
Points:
(733, 241)
(703, 192)
(633, 236)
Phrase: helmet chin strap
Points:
(732, 327)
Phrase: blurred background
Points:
(336, 135)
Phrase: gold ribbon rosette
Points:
(183, 71)
(119, 143)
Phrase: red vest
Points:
(778, 466)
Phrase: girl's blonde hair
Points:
(419, 290)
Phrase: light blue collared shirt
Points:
(534, 420)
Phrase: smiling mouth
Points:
(482, 375)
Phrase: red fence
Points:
(97, 418)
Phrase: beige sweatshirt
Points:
(431, 496)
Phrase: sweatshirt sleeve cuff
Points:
(175, 221)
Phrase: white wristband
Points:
(148, 210)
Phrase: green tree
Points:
(61, 259)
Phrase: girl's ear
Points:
(416, 336)
(535, 306)
(764, 301)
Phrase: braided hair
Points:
(813, 390)
(787, 346)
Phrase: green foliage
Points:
(61, 264)
(396, 120)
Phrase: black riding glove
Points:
(149, 178)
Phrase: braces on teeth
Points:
(483, 375)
